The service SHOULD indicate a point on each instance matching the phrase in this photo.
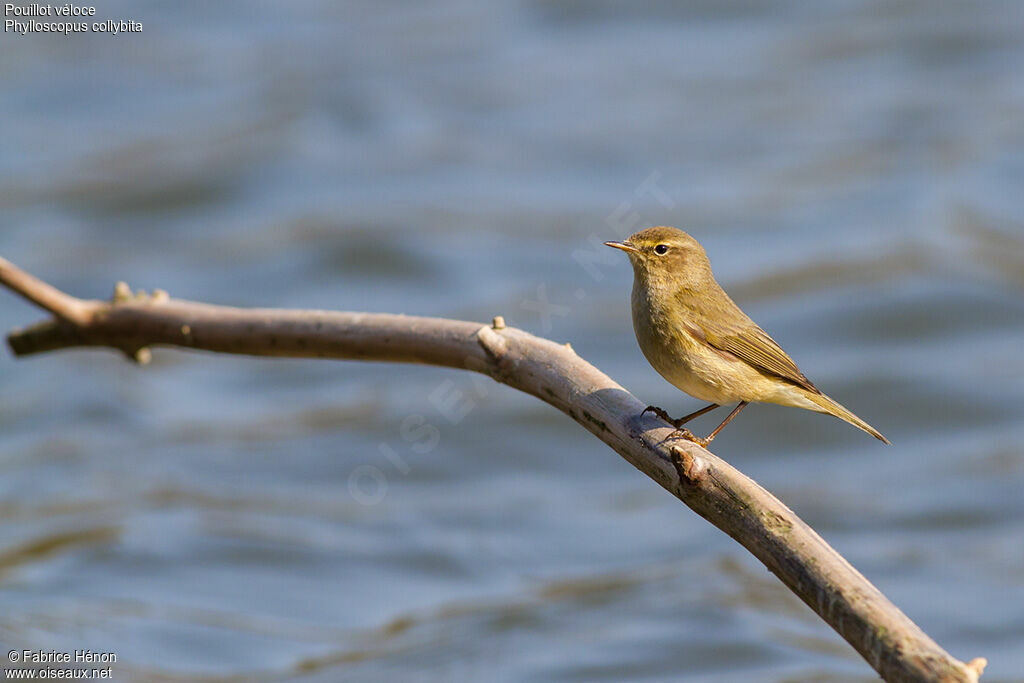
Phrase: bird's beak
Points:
(627, 246)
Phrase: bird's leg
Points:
(703, 443)
(681, 431)
(678, 424)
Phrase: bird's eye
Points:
(661, 249)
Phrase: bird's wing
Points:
(753, 345)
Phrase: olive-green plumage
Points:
(698, 339)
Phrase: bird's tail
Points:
(827, 405)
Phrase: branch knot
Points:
(493, 344)
(690, 468)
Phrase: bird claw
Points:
(683, 433)
(680, 432)
(654, 409)
(678, 424)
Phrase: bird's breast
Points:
(668, 340)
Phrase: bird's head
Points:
(664, 255)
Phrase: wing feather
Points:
(740, 336)
(753, 345)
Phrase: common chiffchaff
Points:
(700, 341)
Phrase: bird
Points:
(699, 340)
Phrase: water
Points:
(853, 169)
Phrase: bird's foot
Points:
(681, 432)
(678, 424)
(684, 433)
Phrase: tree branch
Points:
(890, 642)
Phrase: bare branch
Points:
(45, 296)
(890, 642)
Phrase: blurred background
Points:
(854, 170)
